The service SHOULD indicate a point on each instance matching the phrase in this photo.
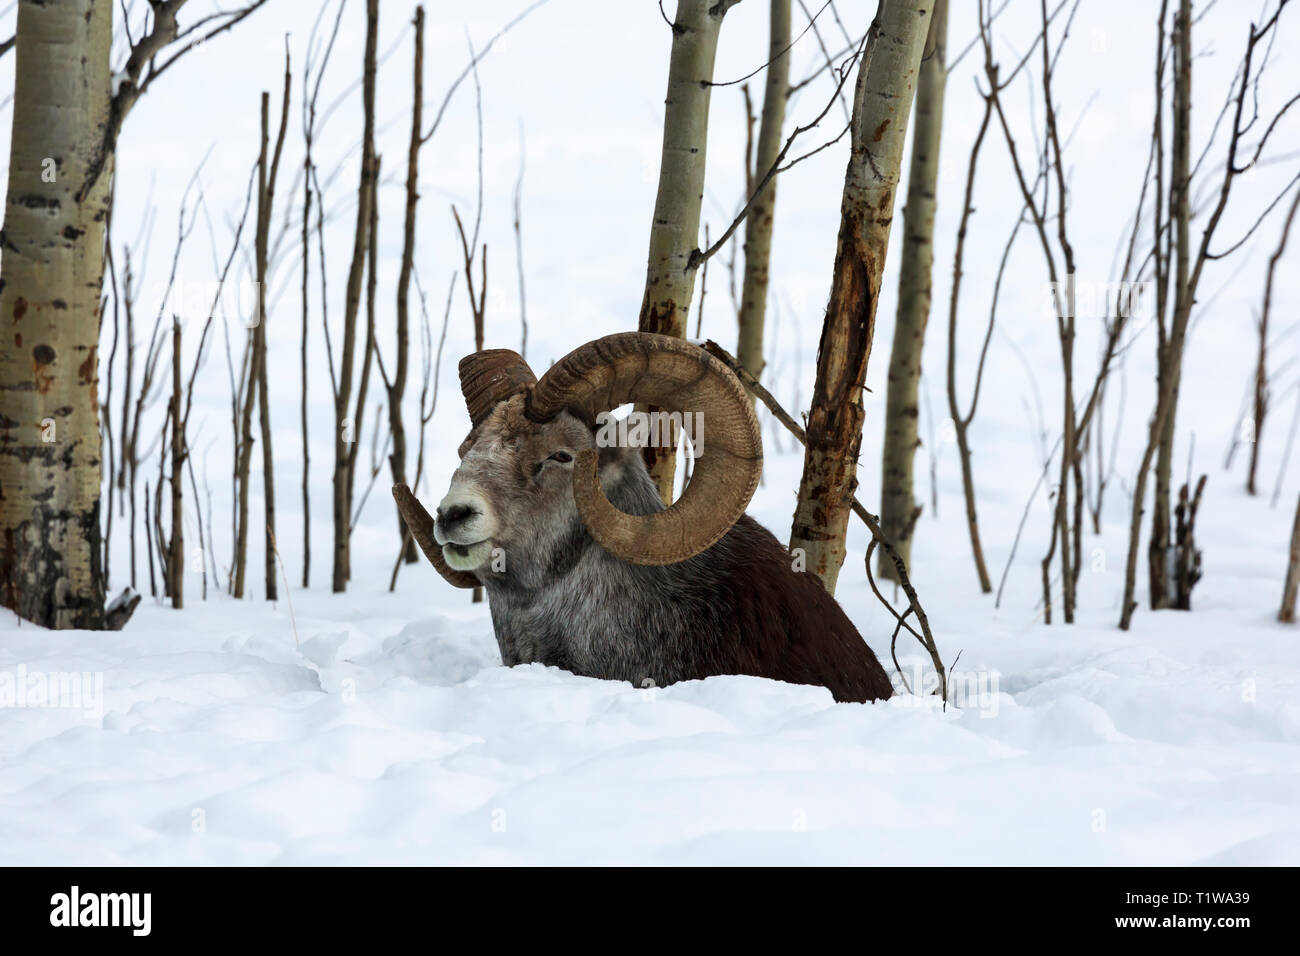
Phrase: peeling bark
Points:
(881, 106)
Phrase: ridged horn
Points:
(675, 376)
(420, 523)
(491, 376)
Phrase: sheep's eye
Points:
(563, 457)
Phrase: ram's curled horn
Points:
(675, 376)
(491, 376)
(420, 523)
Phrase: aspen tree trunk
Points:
(882, 102)
(675, 229)
(898, 512)
(1287, 614)
(266, 207)
(268, 459)
(397, 459)
(257, 390)
(127, 458)
(243, 465)
(344, 427)
(1261, 365)
(302, 361)
(176, 551)
(243, 462)
(372, 289)
(51, 554)
(758, 226)
(368, 349)
(1163, 561)
(1170, 367)
(1260, 411)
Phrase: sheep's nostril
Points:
(454, 515)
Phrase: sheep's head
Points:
(513, 490)
(530, 467)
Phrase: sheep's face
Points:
(529, 490)
(512, 494)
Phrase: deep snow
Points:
(391, 734)
(387, 731)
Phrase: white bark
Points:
(52, 270)
(675, 229)
(898, 510)
(759, 224)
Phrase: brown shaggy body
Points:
(772, 621)
(558, 598)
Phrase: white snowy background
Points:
(381, 728)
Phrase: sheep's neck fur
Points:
(736, 608)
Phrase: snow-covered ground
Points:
(371, 727)
(389, 733)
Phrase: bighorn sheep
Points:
(583, 566)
